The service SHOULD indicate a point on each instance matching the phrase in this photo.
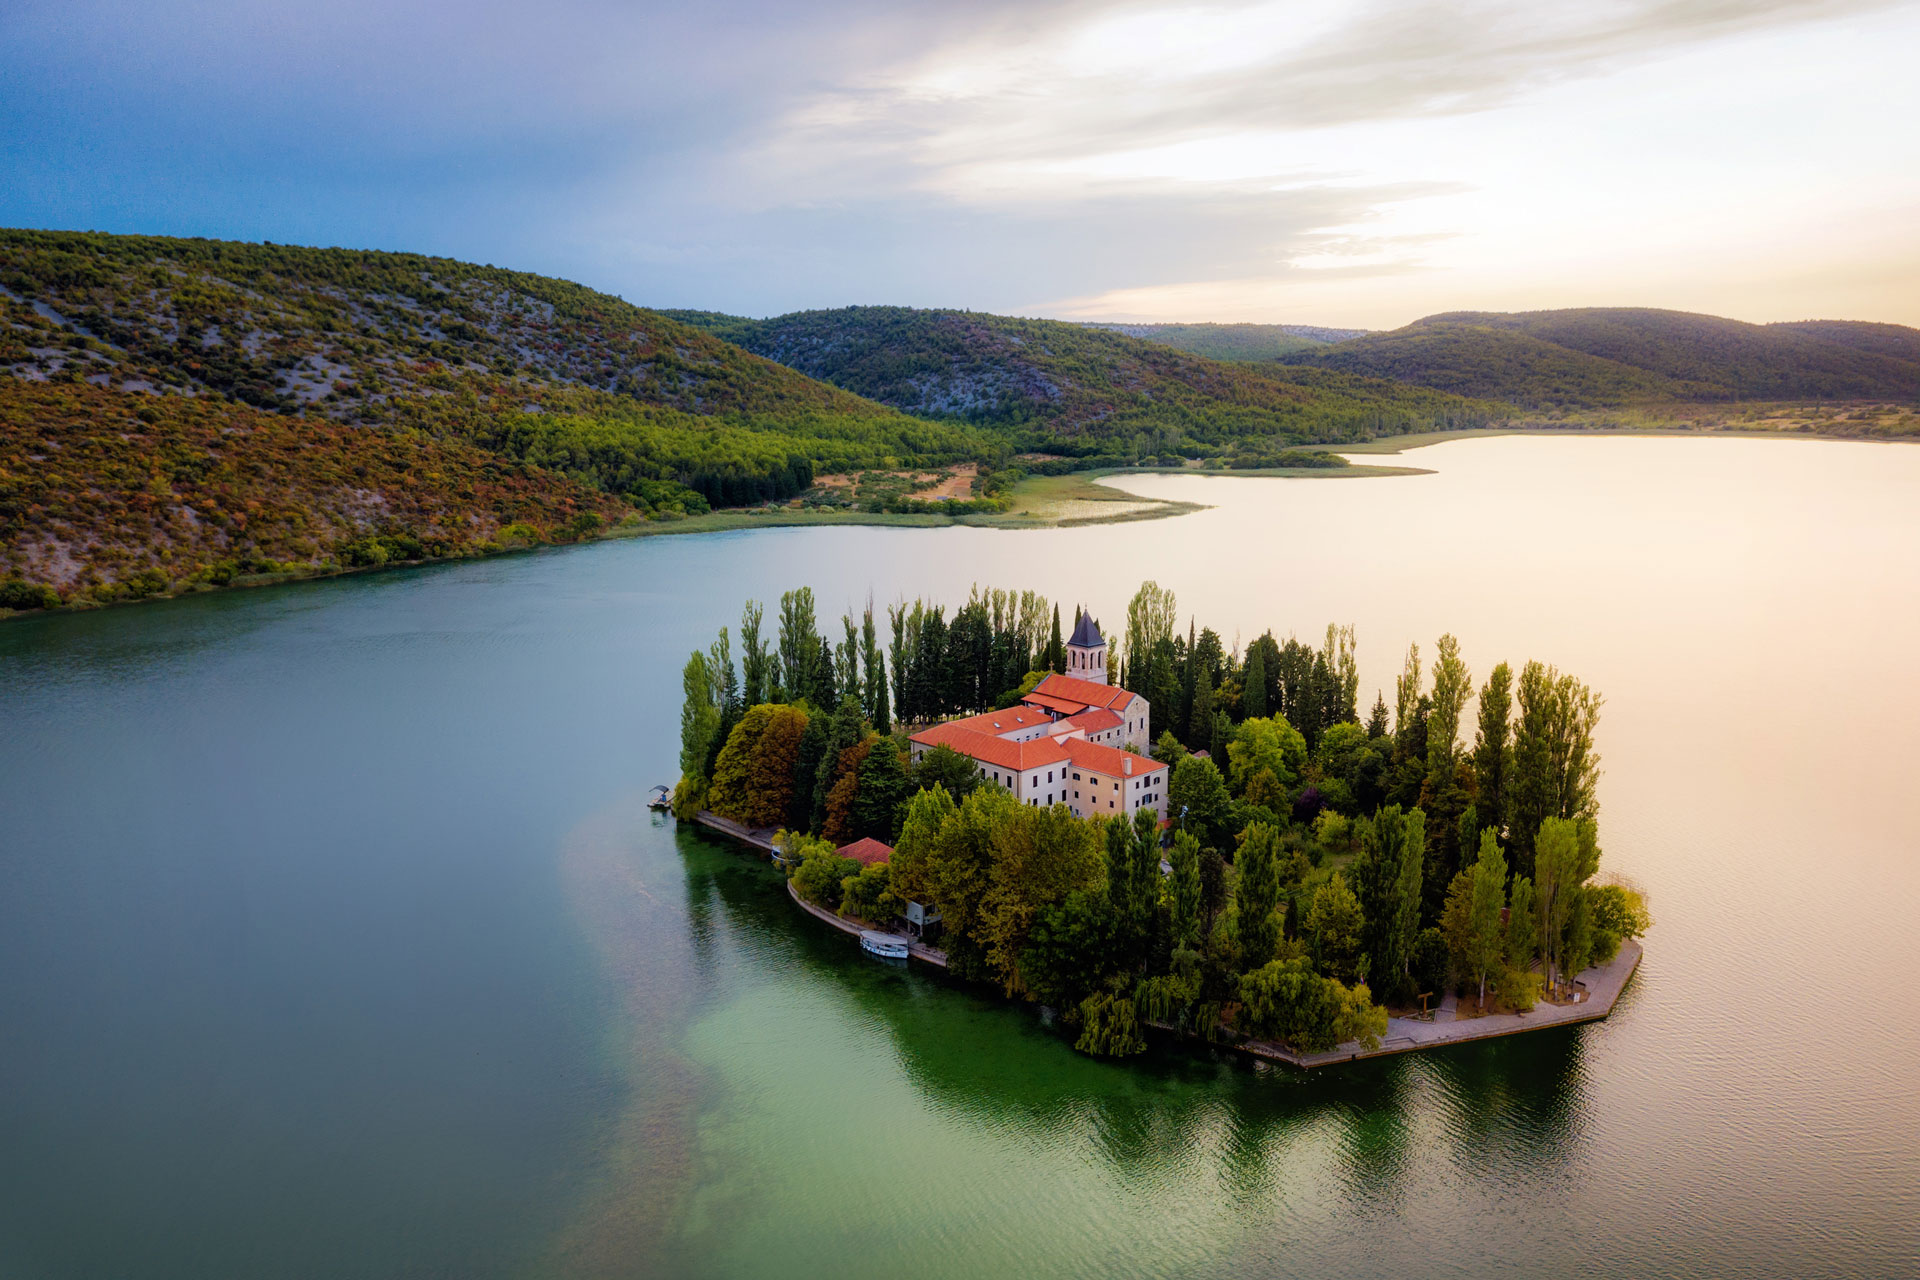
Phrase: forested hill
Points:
(523, 402)
(1083, 389)
(1237, 341)
(1602, 357)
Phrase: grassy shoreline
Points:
(1039, 502)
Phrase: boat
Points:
(662, 799)
(888, 946)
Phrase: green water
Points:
(336, 940)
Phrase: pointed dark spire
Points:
(1085, 634)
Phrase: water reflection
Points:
(1180, 1111)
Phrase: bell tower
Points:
(1087, 651)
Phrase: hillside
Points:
(109, 496)
(382, 353)
(398, 340)
(1245, 342)
(1080, 389)
(1606, 357)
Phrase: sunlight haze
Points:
(1357, 166)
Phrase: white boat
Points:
(888, 946)
(662, 799)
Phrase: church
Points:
(1066, 743)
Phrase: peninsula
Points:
(1160, 834)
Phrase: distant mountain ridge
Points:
(1080, 387)
(1601, 357)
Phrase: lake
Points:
(336, 940)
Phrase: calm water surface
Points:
(335, 938)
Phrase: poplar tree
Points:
(754, 661)
(699, 719)
(1144, 900)
(1186, 898)
(1258, 894)
(1523, 931)
(1492, 752)
(1452, 686)
(1406, 696)
(799, 643)
(1150, 621)
(1056, 648)
(1389, 869)
(1566, 854)
(1555, 767)
(1484, 944)
(874, 685)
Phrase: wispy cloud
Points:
(1289, 160)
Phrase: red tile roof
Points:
(988, 749)
(1097, 720)
(866, 851)
(1109, 760)
(1087, 693)
(1009, 721)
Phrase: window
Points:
(1076, 777)
(1049, 775)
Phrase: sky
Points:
(1356, 164)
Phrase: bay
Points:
(336, 940)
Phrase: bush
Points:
(1110, 1027)
(18, 593)
(869, 895)
(820, 874)
(1519, 988)
(1431, 963)
(1286, 1000)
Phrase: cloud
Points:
(760, 156)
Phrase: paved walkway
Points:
(1603, 986)
(918, 950)
(762, 838)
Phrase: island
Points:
(1165, 836)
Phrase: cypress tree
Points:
(1253, 697)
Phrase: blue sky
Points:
(1342, 164)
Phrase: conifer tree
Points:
(1253, 696)
(1377, 720)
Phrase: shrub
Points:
(820, 875)
(18, 593)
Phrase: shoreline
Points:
(1079, 486)
(1603, 985)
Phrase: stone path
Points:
(1603, 986)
